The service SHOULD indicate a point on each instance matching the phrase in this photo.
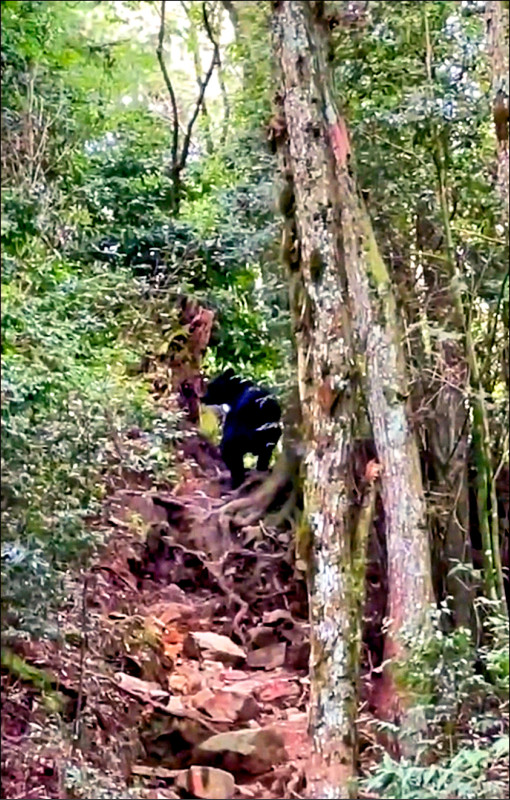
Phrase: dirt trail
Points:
(228, 611)
(184, 668)
(195, 628)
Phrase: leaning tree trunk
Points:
(439, 399)
(347, 335)
(497, 35)
(497, 19)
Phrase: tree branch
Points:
(208, 30)
(159, 52)
(492, 335)
(95, 48)
(200, 99)
(198, 71)
(226, 104)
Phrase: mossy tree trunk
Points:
(348, 338)
(439, 380)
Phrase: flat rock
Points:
(189, 682)
(261, 636)
(276, 616)
(143, 690)
(210, 783)
(279, 689)
(213, 646)
(225, 705)
(161, 773)
(253, 750)
(268, 657)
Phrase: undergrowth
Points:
(72, 344)
(454, 743)
(93, 264)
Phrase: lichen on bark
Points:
(353, 325)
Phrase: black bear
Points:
(252, 423)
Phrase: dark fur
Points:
(252, 424)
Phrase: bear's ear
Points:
(229, 373)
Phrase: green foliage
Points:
(120, 178)
(495, 653)
(92, 265)
(458, 691)
(251, 52)
(69, 351)
(18, 667)
(415, 88)
(446, 670)
(84, 781)
(464, 776)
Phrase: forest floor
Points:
(182, 664)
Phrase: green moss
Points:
(41, 680)
(375, 263)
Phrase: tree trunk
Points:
(439, 401)
(231, 10)
(446, 428)
(497, 35)
(497, 19)
(347, 335)
(324, 355)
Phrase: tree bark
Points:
(497, 35)
(347, 336)
(445, 383)
(497, 20)
(439, 378)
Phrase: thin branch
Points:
(210, 35)
(223, 88)
(168, 83)
(198, 72)
(186, 10)
(83, 650)
(416, 158)
(492, 337)
(94, 48)
(478, 235)
(504, 458)
(187, 138)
